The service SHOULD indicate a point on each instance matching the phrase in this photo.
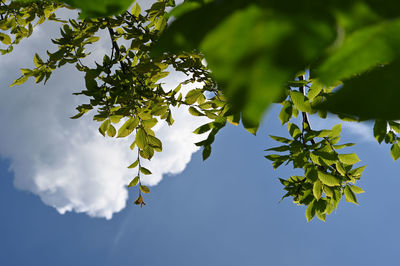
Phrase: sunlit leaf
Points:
(328, 179)
(349, 195)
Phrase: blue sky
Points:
(224, 211)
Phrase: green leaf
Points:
(359, 95)
(380, 130)
(317, 189)
(300, 101)
(127, 128)
(155, 143)
(134, 182)
(4, 38)
(250, 126)
(329, 208)
(328, 179)
(206, 152)
(195, 112)
(115, 118)
(349, 195)
(357, 171)
(92, 39)
(356, 189)
(99, 8)
(395, 126)
(147, 152)
(336, 197)
(341, 146)
(141, 138)
(248, 48)
(104, 127)
(37, 60)
(135, 10)
(192, 96)
(184, 8)
(203, 128)
(134, 164)
(149, 123)
(328, 191)
(145, 171)
(294, 130)
(321, 216)
(335, 131)
(80, 114)
(310, 211)
(340, 169)
(349, 159)
(315, 89)
(395, 151)
(20, 81)
(281, 139)
(286, 112)
(280, 148)
(360, 51)
(144, 189)
(111, 132)
(159, 110)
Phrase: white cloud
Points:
(67, 163)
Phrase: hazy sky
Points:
(223, 211)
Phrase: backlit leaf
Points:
(317, 189)
(104, 127)
(356, 189)
(310, 211)
(300, 101)
(328, 179)
(349, 159)
(141, 138)
(127, 128)
(395, 151)
(349, 195)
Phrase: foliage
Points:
(311, 57)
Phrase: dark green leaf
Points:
(380, 130)
(206, 152)
(372, 95)
(366, 48)
(99, 8)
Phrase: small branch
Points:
(304, 114)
